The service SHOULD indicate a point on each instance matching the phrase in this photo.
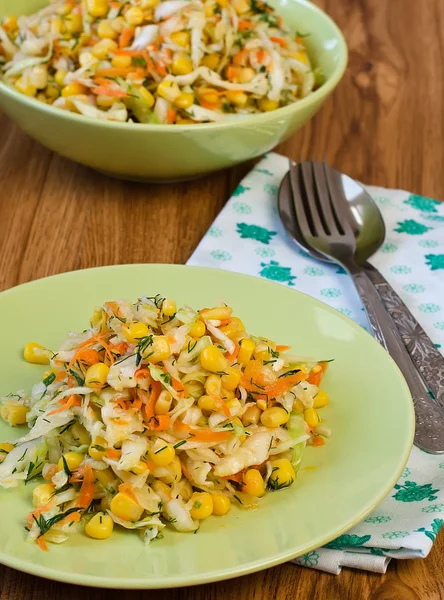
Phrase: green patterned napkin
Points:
(248, 237)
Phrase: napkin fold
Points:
(248, 237)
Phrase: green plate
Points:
(370, 413)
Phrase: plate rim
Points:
(28, 567)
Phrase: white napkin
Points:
(248, 237)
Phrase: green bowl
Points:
(165, 152)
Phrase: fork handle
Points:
(429, 431)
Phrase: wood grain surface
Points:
(384, 125)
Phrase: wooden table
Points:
(384, 125)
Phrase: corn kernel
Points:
(125, 507)
(73, 461)
(105, 101)
(121, 61)
(105, 477)
(262, 404)
(251, 416)
(106, 31)
(274, 417)
(226, 395)
(221, 504)
(146, 96)
(80, 434)
(302, 57)
(159, 350)
(135, 332)
(208, 403)
(97, 8)
(182, 65)
(211, 61)
(63, 9)
(134, 16)
(283, 473)
(169, 308)
(59, 77)
(213, 385)
(175, 469)
(163, 403)
(57, 26)
(98, 448)
(168, 90)
(220, 313)
(197, 329)
(24, 87)
(103, 49)
(52, 91)
(14, 414)
(181, 38)
(118, 24)
(230, 381)
(39, 77)
(162, 490)
(96, 375)
(246, 350)
(321, 399)
(147, 4)
(162, 454)
(209, 95)
(185, 100)
(241, 6)
(202, 505)
(267, 105)
(74, 23)
(253, 483)
(10, 23)
(42, 494)
(100, 526)
(298, 406)
(237, 98)
(234, 327)
(6, 447)
(245, 75)
(212, 359)
(311, 417)
(73, 89)
(139, 468)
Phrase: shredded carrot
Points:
(156, 388)
(118, 348)
(121, 402)
(278, 40)
(118, 71)
(137, 404)
(112, 92)
(210, 105)
(72, 518)
(232, 73)
(112, 453)
(237, 477)
(225, 322)
(50, 473)
(260, 56)
(244, 25)
(150, 64)
(240, 57)
(222, 404)
(73, 400)
(282, 385)
(202, 435)
(282, 348)
(160, 68)
(126, 36)
(159, 422)
(142, 373)
(232, 357)
(86, 494)
(42, 544)
(77, 475)
(61, 376)
(318, 441)
(177, 385)
(316, 374)
(171, 116)
(39, 511)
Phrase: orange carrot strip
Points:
(318, 441)
(118, 71)
(202, 435)
(223, 405)
(260, 56)
(316, 374)
(41, 543)
(240, 57)
(137, 404)
(171, 116)
(159, 422)
(278, 40)
(109, 91)
(126, 36)
(112, 453)
(86, 494)
(61, 376)
(282, 348)
(232, 357)
(73, 400)
(244, 25)
(156, 388)
(50, 473)
(121, 403)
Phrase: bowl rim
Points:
(257, 119)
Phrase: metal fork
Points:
(321, 213)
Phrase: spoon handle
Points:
(429, 431)
(427, 358)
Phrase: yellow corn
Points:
(197, 329)
(168, 90)
(5, 449)
(74, 23)
(163, 403)
(42, 494)
(184, 489)
(146, 96)
(73, 461)
(24, 87)
(235, 407)
(181, 38)
(221, 504)
(283, 473)
(52, 92)
(234, 327)
(211, 61)
(262, 404)
(208, 403)
(175, 469)
(185, 100)
(124, 507)
(80, 434)
(169, 307)
(230, 381)
(237, 98)
(105, 101)
(70, 101)
(321, 399)
(182, 65)
(118, 24)
(10, 23)
(274, 417)
(202, 505)
(100, 526)
(253, 483)
(245, 75)
(220, 313)
(311, 417)
(105, 477)
(212, 359)
(213, 385)
(301, 56)
(162, 489)
(121, 61)
(59, 77)
(57, 25)
(134, 16)
(97, 8)
(298, 406)
(246, 350)
(73, 89)
(36, 354)
(14, 414)
(103, 49)
(226, 395)
(251, 416)
(135, 332)
(139, 468)
(39, 77)
(97, 448)
(106, 31)
(96, 375)
(159, 350)
(162, 454)
(267, 105)
(241, 6)
(209, 95)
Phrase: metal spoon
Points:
(368, 226)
